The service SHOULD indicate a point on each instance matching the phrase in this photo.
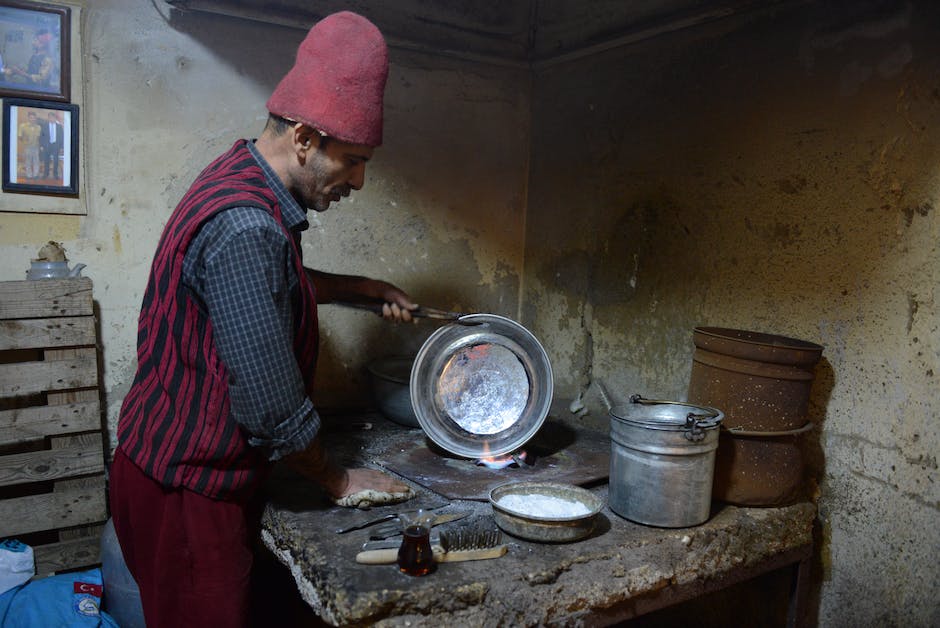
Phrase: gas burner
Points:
(514, 460)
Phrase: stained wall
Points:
(775, 173)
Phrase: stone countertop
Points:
(602, 576)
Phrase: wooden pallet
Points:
(52, 471)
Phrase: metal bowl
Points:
(539, 526)
(390, 377)
(481, 386)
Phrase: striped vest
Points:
(176, 423)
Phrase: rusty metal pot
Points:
(760, 381)
(759, 468)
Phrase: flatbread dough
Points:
(370, 497)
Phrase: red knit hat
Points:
(338, 80)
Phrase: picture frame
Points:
(35, 50)
(40, 147)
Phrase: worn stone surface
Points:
(534, 583)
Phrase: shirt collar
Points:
(294, 216)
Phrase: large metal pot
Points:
(481, 386)
(662, 461)
(389, 377)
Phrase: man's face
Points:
(331, 172)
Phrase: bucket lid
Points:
(667, 415)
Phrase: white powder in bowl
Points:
(543, 505)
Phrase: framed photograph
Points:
(34, 50)
(40, 147)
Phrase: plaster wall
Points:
(775, 173)
(441, 214)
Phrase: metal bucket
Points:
(662, 461)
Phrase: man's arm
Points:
(355, 289)
(316, 464)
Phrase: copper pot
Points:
(762, 383)
(759, 468)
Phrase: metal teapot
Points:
(42, 269)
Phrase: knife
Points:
(386, 517)
(394, 530)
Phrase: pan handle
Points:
(419, 312)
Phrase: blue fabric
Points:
(72, 599)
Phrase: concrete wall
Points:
(778, 174)
(441, 214)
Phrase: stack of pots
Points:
(761, 382)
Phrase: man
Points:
(227, 338)
(27, 135)
(50, 146)
(39, 68)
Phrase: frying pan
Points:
(481, 386)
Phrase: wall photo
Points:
(34, 50)
(40, 147)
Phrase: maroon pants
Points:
(191, 555)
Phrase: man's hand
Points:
(365, 479)
(397, 313)
(353, 487)
(367, 488)
(398, 305)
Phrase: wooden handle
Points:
(378, 557)
(420, 312)
(390, 556)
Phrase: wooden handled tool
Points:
(420, 312)
(452, 547)
(390, 556)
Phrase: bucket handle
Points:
(695, 423)
(737, 431)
